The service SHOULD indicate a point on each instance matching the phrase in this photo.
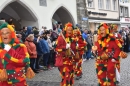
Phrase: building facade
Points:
(38, 12)
(103, 11)
(124, 13)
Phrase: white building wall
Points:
(125, 22)
(111, 14)
(111, 17)
(45, 14)
(125, 5)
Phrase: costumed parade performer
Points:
(64, 48)
(114, 31)
(80, 45)
(14, 59)
(108, 50)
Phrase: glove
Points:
(67, 46)
(7, 47)
(113, 60)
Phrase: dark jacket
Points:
(45, 46)
(38, 46)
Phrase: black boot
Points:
(78, 77)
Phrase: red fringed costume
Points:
(66, 71)
(80, 45)
(108, 49)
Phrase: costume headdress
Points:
(113, 26)
(79, 32)
(66, 26)
(13, 34)
(105, 26)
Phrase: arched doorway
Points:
(20, 13)
(63, 15)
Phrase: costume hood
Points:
(29, 30)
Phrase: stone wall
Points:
(82, 13)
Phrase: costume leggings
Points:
(67, 75)
(106, 73)
(118, 65)
(78, 66)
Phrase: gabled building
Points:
(124, 13)
(103, 11)
(38, 12)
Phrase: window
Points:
(125, 1)
(126, 11)
(43, 2)
(108, 4)
(114, 5)
(90, 4)
(100, 4)
(121, 11)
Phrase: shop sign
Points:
(125, 20)
(97, 13)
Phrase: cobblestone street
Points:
(52, 78)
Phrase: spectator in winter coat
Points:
(85, 37)
(45, 50)
(51, 57)
(29, 31)
(23, 33)
(31, 50)
(37, 41)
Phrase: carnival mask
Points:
(75, 32)
(102, 31)
(69, 31)
(6, 35)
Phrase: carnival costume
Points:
(108, 50)
(119, 38)
(65, 47)
(14, 61)
(80, 45)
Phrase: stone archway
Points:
(20, 13)
(63, 15)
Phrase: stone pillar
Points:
(82, 13)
